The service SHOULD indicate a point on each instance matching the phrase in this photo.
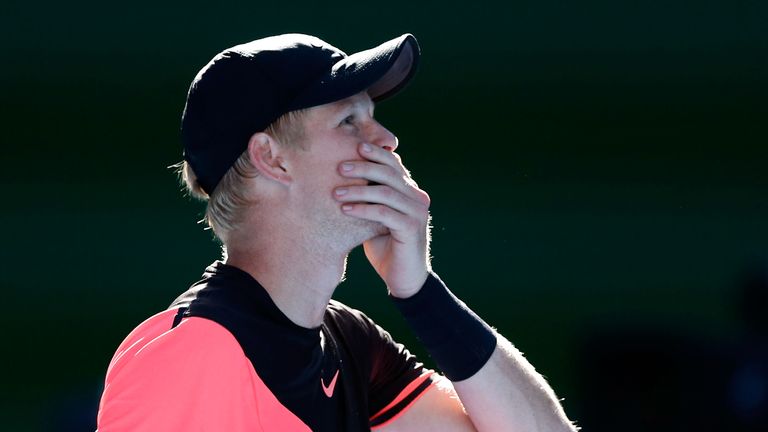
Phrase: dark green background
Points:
(591, 164)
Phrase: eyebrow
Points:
(347, 104)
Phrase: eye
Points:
(348, 120)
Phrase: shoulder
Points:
(156, 340)
(163, 377)
(350, 321)
(338, 310)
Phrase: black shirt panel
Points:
(390, 367)
(298, 364)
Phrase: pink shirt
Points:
(196, 376)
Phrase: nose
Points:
(382, 137)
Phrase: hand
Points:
(400, 257)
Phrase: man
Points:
(279, 137)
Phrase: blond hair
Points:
(225, 205)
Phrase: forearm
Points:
(499, 389)
(508, 394)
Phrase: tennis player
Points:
(280, 138)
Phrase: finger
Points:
(380, 194)
(375, 172)
(386, 175)
(398, 223)
(378, 154)
(390, 158)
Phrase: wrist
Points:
(457, 339)
(404, 292)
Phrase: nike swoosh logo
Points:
(329, 389)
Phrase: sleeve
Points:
(193, 378)
(397, 378)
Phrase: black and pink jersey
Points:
(224, 357)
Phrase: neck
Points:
(299, 275)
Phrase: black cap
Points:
(246, 88)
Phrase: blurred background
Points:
(597, 170)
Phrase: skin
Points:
(346, 186)
(316, 205)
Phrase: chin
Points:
(363, 230)
(380, 231)
(346, 232)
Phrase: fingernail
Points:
(367, 147)
(347, 166)
(346, 207)
(341, 191)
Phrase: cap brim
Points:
(382, 71)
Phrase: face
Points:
(333, 134)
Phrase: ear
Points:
(267, 157)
